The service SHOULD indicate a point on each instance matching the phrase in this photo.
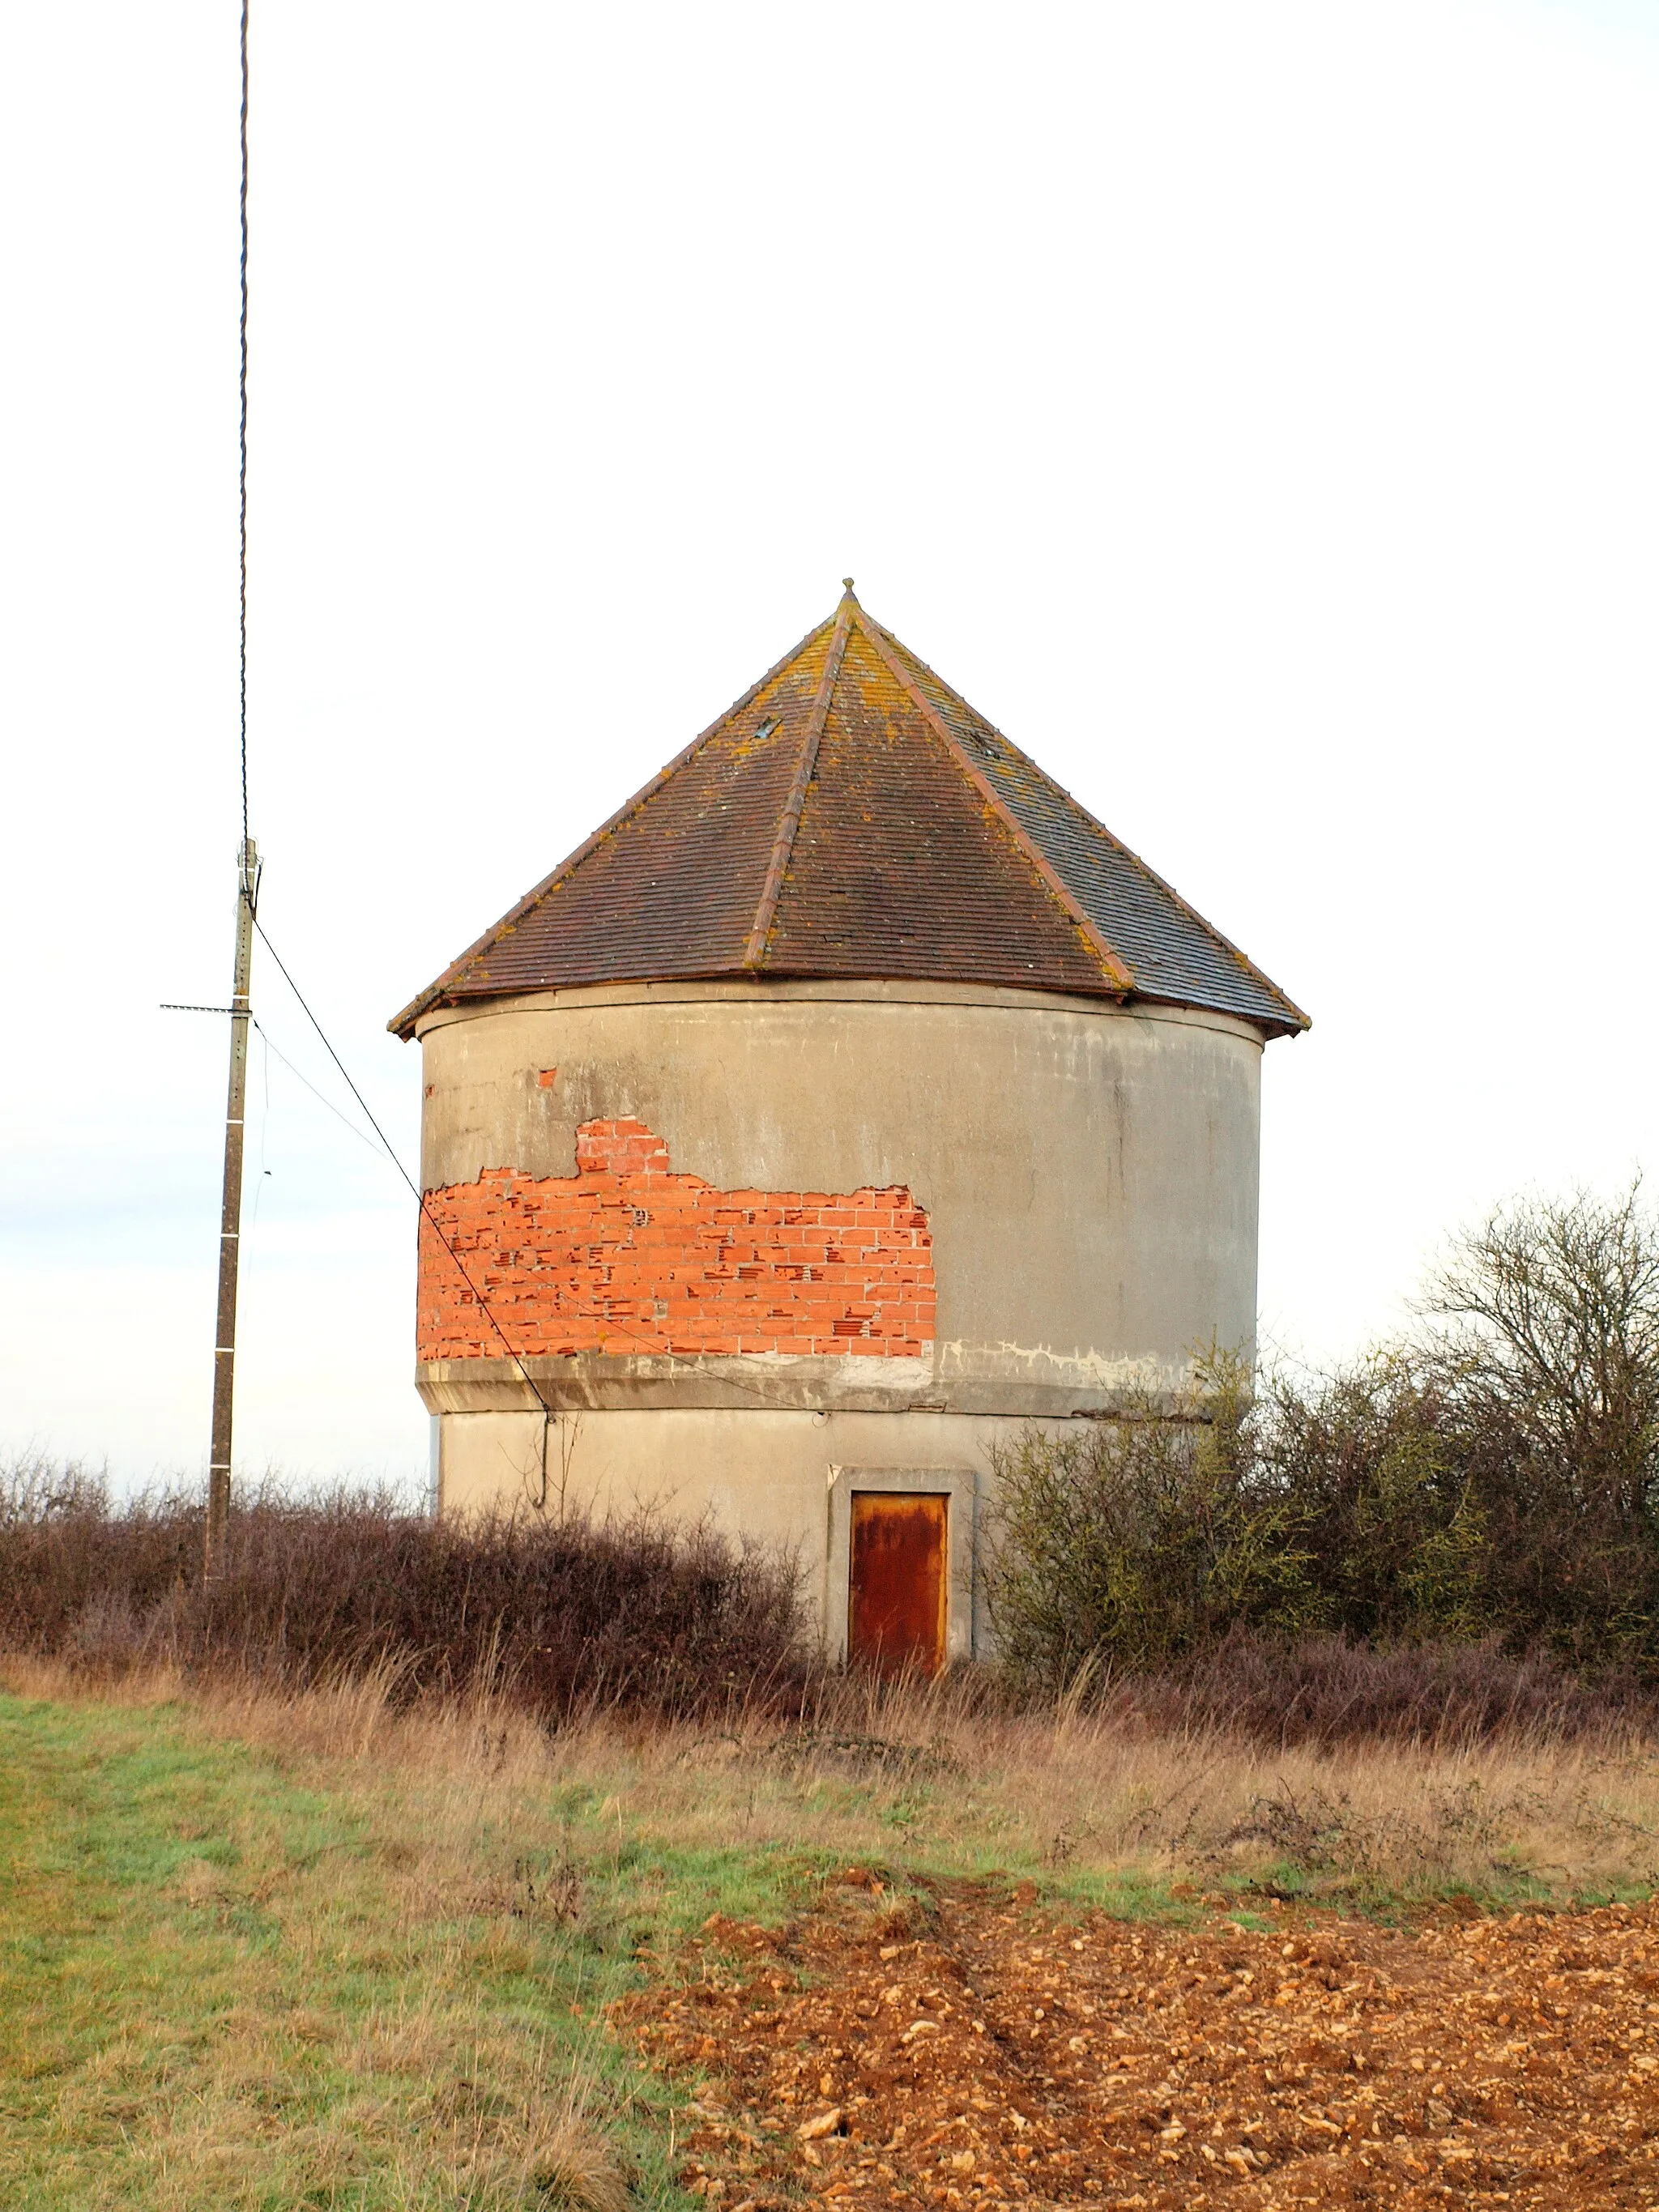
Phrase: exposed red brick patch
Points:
(626, 1256)
(548, 1078)
(621, 1148)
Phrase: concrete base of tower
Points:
(788, 1480)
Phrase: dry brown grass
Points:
(918, 1775)
(916, 1778)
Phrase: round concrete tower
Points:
(850, 1098)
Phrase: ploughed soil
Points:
(974, 2050)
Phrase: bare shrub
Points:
(1495, 1474)
(1142, 1538)
(1491, 1481)
(1327, 1690)
(1367, 1466)
(1544, 1346)
(641, 1613)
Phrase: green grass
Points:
(221, 1986)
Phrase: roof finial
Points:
(847, 581)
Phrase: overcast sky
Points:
(1252, 408)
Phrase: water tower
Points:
(848, 1099)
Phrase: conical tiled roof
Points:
(851, 815)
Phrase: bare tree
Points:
(1554, 1335)
(1546, 1359)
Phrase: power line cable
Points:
(418, 1194)
(242, 476)
(270, 1046)
(249, 890)
(610, 1321)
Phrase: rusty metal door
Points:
(896, 1606)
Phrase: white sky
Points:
(1252, 409)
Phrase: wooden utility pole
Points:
(230, 1221)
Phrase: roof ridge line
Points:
(1116, 969)
(402, 1023)
(783, 844)
(1112, 838)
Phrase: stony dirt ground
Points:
(976, 2050)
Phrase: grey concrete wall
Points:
(1090, 1172)
(777, 1479)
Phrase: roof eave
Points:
(741, 971)
(1271, 1025)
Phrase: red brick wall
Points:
(624, 1256)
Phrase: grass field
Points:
(310, 1951)
(229, 1977)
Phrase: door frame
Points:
(960, 1486)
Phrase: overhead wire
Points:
(344, 1120)
(250, 894)
(242, 473)
(418, 1194)
(619, 1328)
